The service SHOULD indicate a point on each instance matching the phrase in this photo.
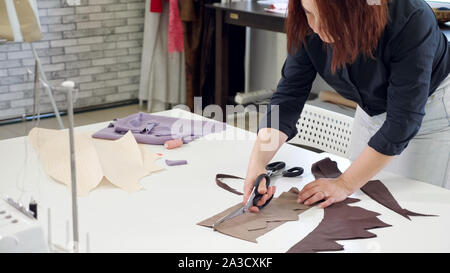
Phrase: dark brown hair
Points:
(354, 25)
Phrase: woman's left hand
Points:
(332, 190)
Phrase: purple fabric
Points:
(176, 162)
(135, 125)
(154, 129)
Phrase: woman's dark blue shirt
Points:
(411, 60)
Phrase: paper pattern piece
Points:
(156, 130)
(122, 162)
(52, 147)
(250, 226)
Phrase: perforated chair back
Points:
(325, 130)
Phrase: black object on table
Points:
(244, 14)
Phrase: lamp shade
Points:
(19, 21)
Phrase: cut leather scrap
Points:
(325, 168)
(225, 186)
(375, 189)
(344, 222)
(340, 222)
(250, 226)
(380, 193)
(122, 162)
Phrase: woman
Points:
(390, 57)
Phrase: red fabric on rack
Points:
(156, 6)
(176, 38)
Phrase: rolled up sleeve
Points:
(409, 84)
(293, 89)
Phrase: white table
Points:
(163, 216)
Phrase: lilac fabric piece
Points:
(135, 125)
(155, 129)
(176, 162)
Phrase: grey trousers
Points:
(427, 157)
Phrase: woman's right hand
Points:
(266, 145)
(262, 189)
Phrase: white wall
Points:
(267, 55)
(268, 51)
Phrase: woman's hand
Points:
(266, 145)
(262, 189)
(332, 190)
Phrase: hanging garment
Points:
(156, 130)
(163, 78)
(199, 42)
(427, 157)
(156, 6)
(175, 41)
(191, 17)
(19, 21)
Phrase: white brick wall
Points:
(98, 45)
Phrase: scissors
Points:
(277, 168)
(273, 169)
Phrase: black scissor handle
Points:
(293, 172)
(276, 166)
(258, 196)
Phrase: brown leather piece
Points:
(225, 186)
(340, 222)
(250, 226)
(378, 192)
(344, 222)
(375, 189)
(325, 168)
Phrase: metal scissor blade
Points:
(236, 213)
(229, 216)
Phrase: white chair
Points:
(325, 130)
